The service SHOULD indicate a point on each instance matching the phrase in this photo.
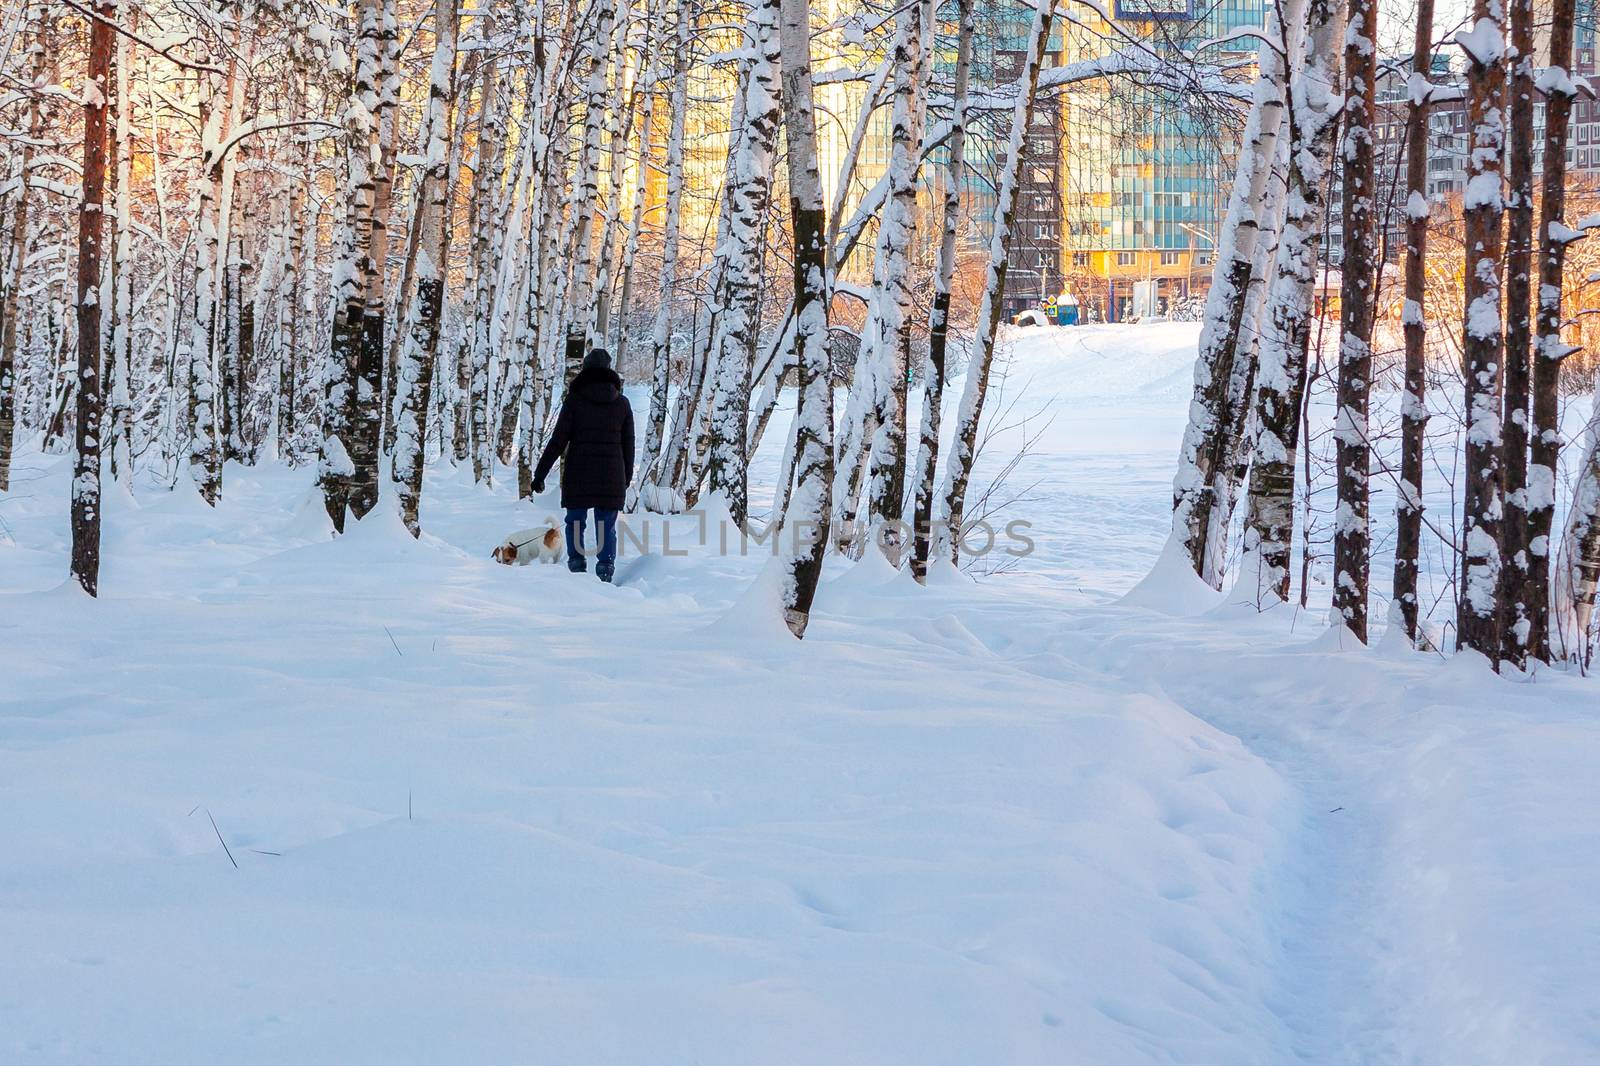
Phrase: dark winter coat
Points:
(594, 434)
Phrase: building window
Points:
(1126, 259)
(1202, 259)
(1169, 259)
(1080, 259)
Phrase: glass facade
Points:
(1148, 167)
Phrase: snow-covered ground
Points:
(492, 815)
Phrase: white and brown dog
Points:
(542, 544)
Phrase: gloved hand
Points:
(538, 484)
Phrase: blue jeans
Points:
(577, 518)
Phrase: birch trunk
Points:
(803, 539)
(939, 320)
(205, 443)
(289, 297)
(1414, 406)
(874, 426)
(641, 185)
(1205, 474)
(419, 343)
(1280, 385)
(1352, 539)
(337, 469)
(586, 191)
(119, 359)
(1578, 579)
(738, 323)
(964, 447)
(476, 346)
(367, 426)
(91, 225)
(1552, 629)
(1476, 622)
(16, 246)
(619, 127)
(661, 329)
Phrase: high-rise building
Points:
(1147, 169)
(1034, 257)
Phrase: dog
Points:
(526, 545)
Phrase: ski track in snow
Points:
(490, 815)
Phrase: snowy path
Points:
(485, 815)
(1419, 844)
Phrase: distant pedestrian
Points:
(594, 438)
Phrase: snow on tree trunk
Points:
(619, 128)
(1238, 443)
(1476, 621)
(939, 319)
(586, 191)
(543, 204)
(874, 424)
(630, 245)
(1515, 607)
(1549, 630)
(886, 491)
(1281, 370)
(737, 324)
(240, 436)
(684, 449)
(205, 443)
(367, 423)
(1578, 578)
(1352, 538)
(14, 252)
(1413, 406)
(964, 446)
(1204, 473)
(119, 335)
(487, 179)
(337, 470)
(661, 328)
(802, 536)
(419, 340)
(290, 288)
(458, 397)
(91, 226)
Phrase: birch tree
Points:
(1476, 621)
(204, 415)
(13, 255)
(1578, 579)
(737, 322)
(939, 318)
(91, 227)
(802, 537)
(367, 417)
(1413, 405)
(661, 328)
(1357, 301)
(1514, 609)
(1281, 377)
(420, 337)
(586, 188)
(874, 425)
(337, 468)
(1552, 631)
(1204, 471)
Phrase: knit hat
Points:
(597, 359)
